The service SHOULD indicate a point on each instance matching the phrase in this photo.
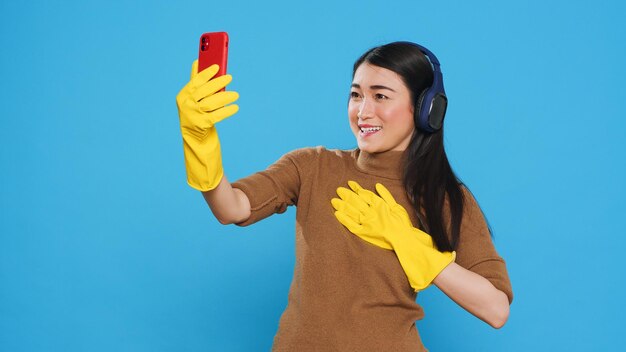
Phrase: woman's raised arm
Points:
(202, 104)
(229, 205)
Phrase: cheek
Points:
(352, 110)
(399, 114)
(352, 115)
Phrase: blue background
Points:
(104, 247)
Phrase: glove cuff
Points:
(421, 263)
(203, 161)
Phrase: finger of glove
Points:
(353, 199)
(208, 88)
(218, 100)
(204, 76)
(194, 69)
(368, 196)
(221, 113)
(355, 186)
(385, 194)
(393, 205)
(350, 224)
(346, 208)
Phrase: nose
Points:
(366, 109)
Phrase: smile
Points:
(368, 130)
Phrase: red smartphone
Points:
(213, 50)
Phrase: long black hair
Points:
(428, 177)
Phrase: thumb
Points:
(194, 69)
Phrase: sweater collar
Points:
(389, 164)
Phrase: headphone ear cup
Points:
(418, 118)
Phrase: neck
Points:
(389, 164)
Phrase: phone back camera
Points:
(204, 43)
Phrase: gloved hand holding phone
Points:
(201, 105)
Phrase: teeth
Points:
(370, 129)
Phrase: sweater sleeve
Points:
(476, 251)
(271, 191)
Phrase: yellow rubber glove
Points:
(383, 222)
(200, 107)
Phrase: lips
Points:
(368, 130)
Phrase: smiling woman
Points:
(358, 270)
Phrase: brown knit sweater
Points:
(347, 294)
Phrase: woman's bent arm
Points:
(229, 205)
(475, 294)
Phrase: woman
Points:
(356, 290)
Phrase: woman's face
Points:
(380, 110)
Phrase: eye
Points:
(354, 95)
(379, 96)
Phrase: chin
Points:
(369, 148)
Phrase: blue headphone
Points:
(430, 107)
